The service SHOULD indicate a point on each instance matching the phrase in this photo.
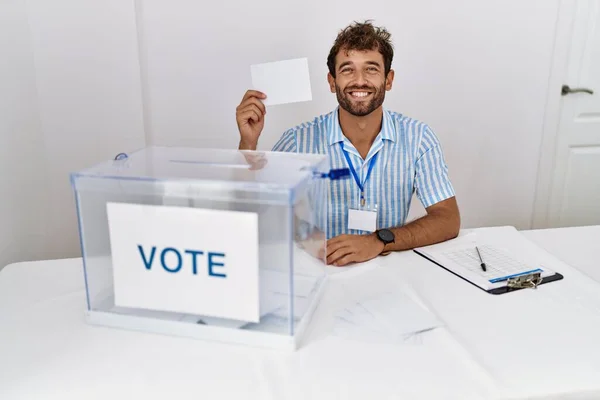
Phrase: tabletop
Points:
(525, 344)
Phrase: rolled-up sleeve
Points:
(432, 183)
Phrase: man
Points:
(390, 155)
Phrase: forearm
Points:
(430, 229)
(245, 145)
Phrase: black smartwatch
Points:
(386, 236)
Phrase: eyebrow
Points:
(345, 63)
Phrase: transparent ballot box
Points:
(222, 245)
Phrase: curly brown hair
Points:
(362, 36)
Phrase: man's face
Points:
(360, 83)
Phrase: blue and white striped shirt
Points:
(409, 159)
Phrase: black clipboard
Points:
(499, 290)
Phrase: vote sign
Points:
(185, 260)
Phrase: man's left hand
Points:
(345, 249)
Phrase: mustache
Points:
(359, 88)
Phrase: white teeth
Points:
(359, 94)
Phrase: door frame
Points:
(552, 115)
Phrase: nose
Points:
(361, 79)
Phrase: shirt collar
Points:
(335, 130)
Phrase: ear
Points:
(389, 80)
(331, 81)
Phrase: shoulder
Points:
(405, 125)
(412, 132)
(307, 136)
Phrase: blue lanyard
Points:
(361, 186)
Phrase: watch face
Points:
(386, 235)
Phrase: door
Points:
(574, 195)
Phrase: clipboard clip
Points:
(527, 281)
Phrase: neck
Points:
(361, 131)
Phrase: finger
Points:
(250, 115)
(257, 109)
(350, 258)
(254, 108)
(254, 93)
(336, 243)
(340, 238)
(254, 101)
(332, 248)
(336, 255)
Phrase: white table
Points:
(550, 345)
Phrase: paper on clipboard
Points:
(506, 253)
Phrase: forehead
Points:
(358, 56)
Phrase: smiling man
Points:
(391, 156)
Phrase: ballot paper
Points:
(286, 81)
(391, 317)
(274, 301)
(352, 270)
(275, 293)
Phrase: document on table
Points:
(391, 317)
(275, 292)
(505, 252)
(352, 270)
(286, 81)
(500, 264)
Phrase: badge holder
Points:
(364, 206)
(363, 217)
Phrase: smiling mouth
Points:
(358, 94)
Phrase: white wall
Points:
(88, 80)
(476, 71)
(22, 158)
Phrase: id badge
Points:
(363, 218)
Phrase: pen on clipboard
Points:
(480, 259)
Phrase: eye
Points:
(372, 69)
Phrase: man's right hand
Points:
(250, 117)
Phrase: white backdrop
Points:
(90, 78)
(88, 82)
(22, 158)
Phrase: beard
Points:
(360, 108)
